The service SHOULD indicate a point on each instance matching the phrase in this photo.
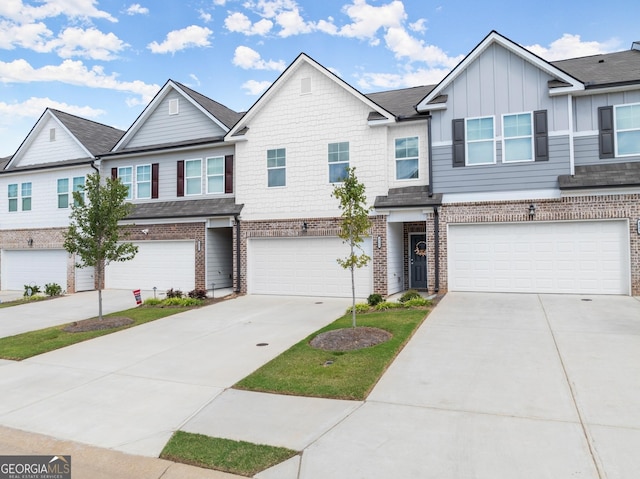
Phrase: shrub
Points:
(388, 305)
(184, 302)
(171, 293)
(374, 299)
(152, 301)
(198, 294)
(360, 308)
(52, 289)
(417, 303)
(411, 294)
(31, 290)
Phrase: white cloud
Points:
(192, 36)
(33, 36)
(404, 45)
(90, 43)
(255, 87)
(74, 73)
(137, 9)
(220, 2)
(292, 23)
(571, 46)
(33, 108)
(195, 78)
(205, 16)
(271, 8)
(418, 26)
(386, 81)
(367, 19)
(248, 59)
(240, 23)
(84, 9)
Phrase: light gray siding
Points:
(168, 176)
(496, 83)
(587, 152)
(189, 124)
(501, 177)
(586, 107)
(219, 257)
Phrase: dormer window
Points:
(52, 134)
(173, 106)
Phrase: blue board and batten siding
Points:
(190, 123)
(532, 175)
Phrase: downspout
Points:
(572, 160)
(93, 165)
(429, 158)
(436, 249)
(237, 220)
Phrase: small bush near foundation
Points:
(52, 289)
(183, 302)
(417, 303)
(374, 299)
(411, 294)
(387, 305)
(152, 301)
(198, 294)
(360, 308)
(31, 290)
(174, 293)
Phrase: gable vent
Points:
(305, 86)
(173, 106)
(635, 45)
(52, 134)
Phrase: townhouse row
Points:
(513, 174)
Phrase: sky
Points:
(104, 60)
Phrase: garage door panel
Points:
(303, 267)
(561, 257)
(39, 267)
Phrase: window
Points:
(13, 197)
(143, 181)
(276, 167)
(480, 141)
(26, 196)
(627, 124)
(78, 185)
(125, 173)
(193, 177)
(407, 158)
(63, 193)
(338, 161)
(215, 175)
(517, 137)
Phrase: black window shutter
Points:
(114, 173)
(155, 168)
(458, 142)
(228, 174)
(180, 185)
(541, 135)
(606, 137)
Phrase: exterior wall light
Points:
(30, 242)
(305, 226)
(532, 211)
(379, 242)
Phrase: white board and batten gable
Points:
(49, 141)
(306, 109)
(173, 116)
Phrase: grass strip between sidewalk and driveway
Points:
(306, 371)
(32, 343)
(226, 455)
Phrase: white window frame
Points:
(277, 167)
(24, 197)
(338, 161)
(129, 184)
(397, 160)
(187, 178)
(64, 193)
(15, 198)
(467, 141)
(138, 182)
(616, 130)
(74, 187)
(216, 175)
(530, 136)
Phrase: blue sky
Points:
(105, 59)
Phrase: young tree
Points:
(355, 225)
(94, 234)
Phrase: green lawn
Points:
(303, 370)
(236, 457)
(18, 302)
(26, 345)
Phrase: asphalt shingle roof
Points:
(599, 176)
(186, 208)
(96, 137)
(226, 115)
(401, 103)
(409, 196)
(606, 69)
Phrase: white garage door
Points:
(304, 267)
(163, 264)
(33, 266)
(555, 257)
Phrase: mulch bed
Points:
(348, 339)
(95, 324)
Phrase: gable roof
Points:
(304, 59)
(567, 83)
(92, 137)
(599, 71)
(402, 103)
(222, 116)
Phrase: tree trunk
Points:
(100, 267)
(353, 291)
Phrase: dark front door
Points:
(418, 261)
